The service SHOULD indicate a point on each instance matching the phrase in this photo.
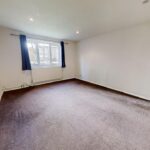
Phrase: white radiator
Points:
(43, 75)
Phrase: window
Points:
(43, 53)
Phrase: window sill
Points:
(45, 67)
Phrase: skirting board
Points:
(36, 84)
(85, 82)
(112, 90)
(1, 94)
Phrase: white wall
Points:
(71, 61)
(11, 75)
(119, 60)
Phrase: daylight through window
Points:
(43, 53)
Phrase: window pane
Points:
(44, 53)
(55, 54)
(32, 53)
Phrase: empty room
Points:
(75, 75)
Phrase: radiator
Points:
(41, 75)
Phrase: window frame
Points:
(50, 43)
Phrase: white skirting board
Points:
(32, 85)
(1, 93)
(35, 84)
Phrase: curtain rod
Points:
(37, 38)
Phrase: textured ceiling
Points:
(61, 18)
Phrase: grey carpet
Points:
(73, 116)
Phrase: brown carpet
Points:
(73, 116)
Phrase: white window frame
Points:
(36, 42)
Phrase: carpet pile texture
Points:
(73, 116)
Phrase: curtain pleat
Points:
(26, 65)
(63, 54)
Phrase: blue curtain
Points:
(63, 54)
(24, 53)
